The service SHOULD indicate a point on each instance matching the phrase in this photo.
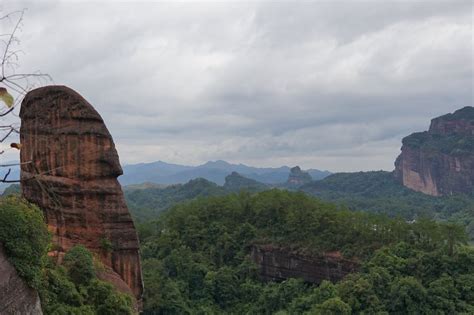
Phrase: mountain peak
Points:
(217, 164)
(298, 177)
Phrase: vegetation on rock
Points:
(71, 288)
(24, 237)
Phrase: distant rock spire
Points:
(297, 177)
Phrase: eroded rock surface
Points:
(279, 263)
(70, 169)
(440, 161)
(16, 297)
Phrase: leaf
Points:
(16, 145)
(6, 97)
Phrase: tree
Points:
(454, 235)
(79, 264)
(407, 295)
(13, 85)
(333, 306)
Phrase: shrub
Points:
(80, 265)
(24, 236)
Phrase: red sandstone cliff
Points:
(72, 177)
(440, 161)
(278, 263)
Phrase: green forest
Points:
(195, 259)
(375, 192)
(379, 192)
(412, 250)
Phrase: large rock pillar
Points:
(69, 169)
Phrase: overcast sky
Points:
(331, 85)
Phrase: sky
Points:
(328, 85)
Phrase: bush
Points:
(79, 264)
(24, 236)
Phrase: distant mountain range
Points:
(215, 171)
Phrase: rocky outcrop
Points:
(440, 161)
(16, 297)
(280, 263)
(298, 177)
(69, 169)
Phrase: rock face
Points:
(278, 264)
(298, 177)
(440, 161)
(16, 297)
(70, 169)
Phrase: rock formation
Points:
(440, 161)
(298, 177)
(279, 263)
(70, 169)
(16, 297)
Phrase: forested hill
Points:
(376, 192)
(147, 201)
(197, 259)
(379, 192)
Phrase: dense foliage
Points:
(71, 288)
(147, 202)
(376, 192)
(451, 144)
(24, 237)
(379, 192)
(196, 259)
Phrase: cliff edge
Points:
(440, 161)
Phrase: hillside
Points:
(197, 259)
(146, 202)
(376, 192)
(380, 192)
(215, 171)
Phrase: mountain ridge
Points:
(216, 171)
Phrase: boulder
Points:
(16, 297)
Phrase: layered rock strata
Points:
(69, 169)
(440, 161)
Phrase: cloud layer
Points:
(329, 85)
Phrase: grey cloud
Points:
(331, 85)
